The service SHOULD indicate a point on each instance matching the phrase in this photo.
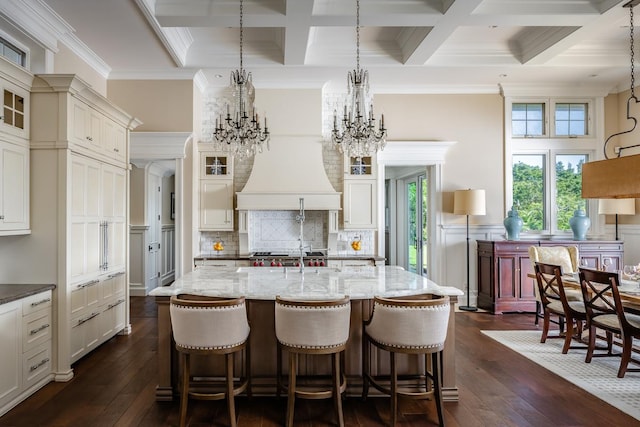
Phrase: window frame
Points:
(589, 124)
(550, 146)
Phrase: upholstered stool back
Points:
(410, 324)
(211, 326)
(313, 325)
(206, 323)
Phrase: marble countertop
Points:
(10, 293)
(234, 256)
(265, 283)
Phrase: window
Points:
(571, 119)
(544, 163)
(527, 119)
(532, 180)
(12, 53)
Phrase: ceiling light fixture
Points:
(610, 178)
(357, 135)
(240, 133)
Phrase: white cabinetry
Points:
(14, 149)
(14, 185)
(81, 149)
(216, 191)
(360, 194)
(26, 348)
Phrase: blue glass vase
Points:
(579, 224)
(513, 224)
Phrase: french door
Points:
(417, 224)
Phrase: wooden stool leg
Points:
(336, 369)
(278, 369)
(230, 397)
(248, 369)
(293, 371)
(366, 366)
(437, 385)
(394, 390)
(184, 392)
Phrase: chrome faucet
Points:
(300, 219)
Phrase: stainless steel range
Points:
(288, 259)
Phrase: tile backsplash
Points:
(279, 230)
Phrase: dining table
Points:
(629, 290)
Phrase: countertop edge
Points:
(9, 293)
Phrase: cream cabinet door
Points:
(14, 181)
(14, 117)
(216, 204)
(114, 214)
(10, 351)
(84, 219)
(359, 204)
(115, 140)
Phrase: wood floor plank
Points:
(115, 386)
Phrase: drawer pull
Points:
(39, 365)
(111, 276)
(37, 303)
(40, 329)
(85, 285)
(86, 319)
(115, 304)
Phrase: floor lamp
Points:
(617, 207)
(468, 202)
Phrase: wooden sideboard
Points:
(503, 266)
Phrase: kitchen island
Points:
(260, 286)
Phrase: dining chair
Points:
(567, 257)
(407, 325)
(312, 328)
(553, 297)
(605, 311)
(211, 326)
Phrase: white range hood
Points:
(291, 169)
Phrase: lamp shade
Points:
(617, 206)
(469, 202)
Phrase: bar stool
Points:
(313, 328)
(411, 325)
(211, 326)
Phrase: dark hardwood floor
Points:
(115, 386)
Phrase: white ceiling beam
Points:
(296, 35)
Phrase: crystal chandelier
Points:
(239, 133)
(357, 135)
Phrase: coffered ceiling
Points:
(439, 46)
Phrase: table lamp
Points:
(468, 202)
(617, 207)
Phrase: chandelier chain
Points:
(632, 49)
(358, 35)
(240, 35)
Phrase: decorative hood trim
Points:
(292, 168)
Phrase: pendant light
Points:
(617, 177)
(239, 133)
(356, 133)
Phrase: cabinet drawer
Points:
(84, 296)
(601, 247)
(36, 364)
(36, 302)
(36, 329)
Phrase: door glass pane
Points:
(569, 187)
(528, 190)
(425, 222)
(411, 224)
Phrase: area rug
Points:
(598, 377)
